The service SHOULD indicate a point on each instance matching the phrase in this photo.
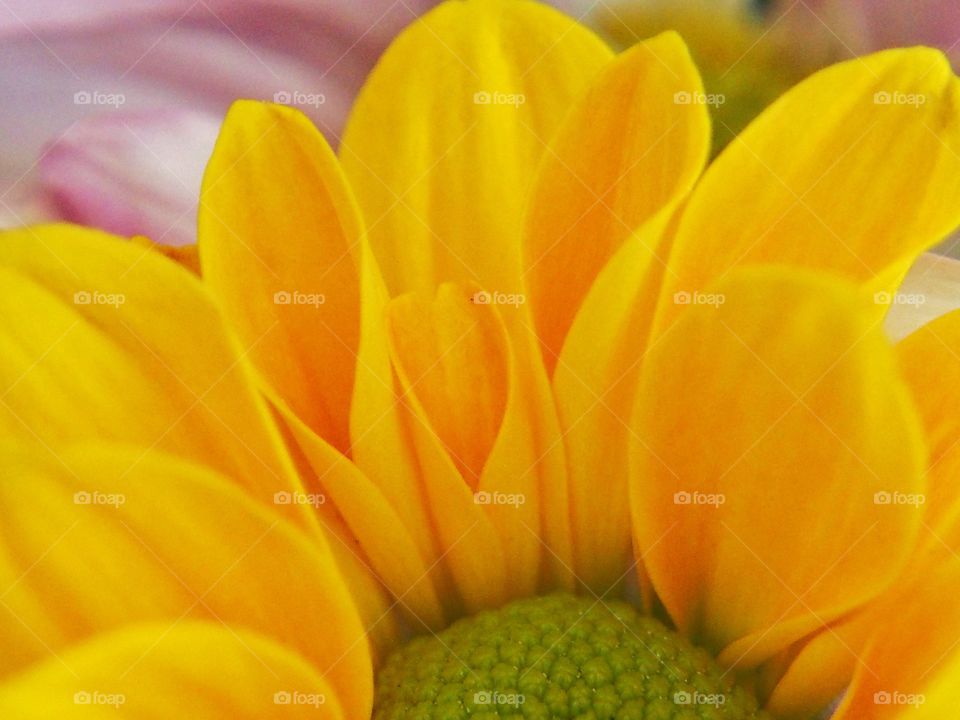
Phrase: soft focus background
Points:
(110, 109)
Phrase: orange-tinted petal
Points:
(278, 231)
(773, 414)
(623, 161)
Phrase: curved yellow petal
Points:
(773, 414)
(631, 146)
(455, 351)
(456, 366)
(856, 171)
(380, 443)
(106, 538)
(278, 236)
(388, 549)
(443, 142)
(910, 667)
(627, 155)
(929, 361)
(157, 671)
(105, 340)
(823, 666)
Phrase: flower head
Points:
(514, 340)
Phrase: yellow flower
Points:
(513, 339)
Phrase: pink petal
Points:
(26, 204)
(132, 173)
(861, 26)
(149, 54)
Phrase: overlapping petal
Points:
(910, 666)
(624, 159)
(88, 317)
(444, 139)
(462, 387)
(727, 485)
(97, 559)
(855, 170)
(159, 671)
(273, 176)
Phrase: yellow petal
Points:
(389, 551)
(278, 228)
(625, 158)
(382, 450)
(772, 413)
(455, 365)
(105, 340)
(454, 352)
(823, 666)
(444, 139)
(930, 364)
(117, 539)
(186, 255)
(629, 148)
(855, 170)
(152, 671)
(911, 666)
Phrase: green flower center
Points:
(558, 657)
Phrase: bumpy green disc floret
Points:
(558, 657)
